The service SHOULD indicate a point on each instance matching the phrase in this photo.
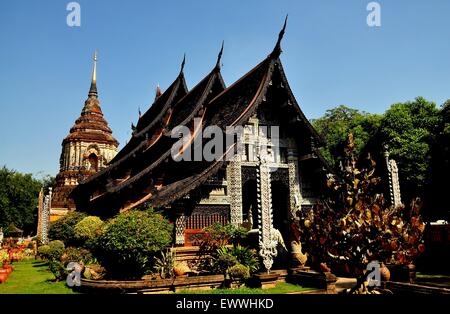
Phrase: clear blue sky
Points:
(331, 57)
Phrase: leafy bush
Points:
(58, 270)
(239, 271)
(77, 255)
(223, 262)
(4, 257)
(165, 264)
(218, 235)
(63, 228)
(56, 249)
(88, 228)
(242, 254)
(44, 251)
(129, 242)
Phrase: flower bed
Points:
(5, 267)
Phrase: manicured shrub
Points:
(218, 235)
(88, 228)
(242, 254)
(221, 263)
(129, 242)
(239, 271)
(63, 228)
(43, 251)
(77, 255)
(58, 270)
(56, 250)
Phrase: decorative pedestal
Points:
(314, 279)
(296, 269)
(266, 281)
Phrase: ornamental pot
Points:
(384, 273)
(8, 268)
(3, 275)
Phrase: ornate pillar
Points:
(179, 229)
(71, 155)
(295, 197)
(45, 217)
(394, 182)
(80, 154)
(395, 187)
(234, 181)
(267, 246)
(40, 209)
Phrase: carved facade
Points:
(277, 172)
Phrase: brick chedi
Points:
(87, 149)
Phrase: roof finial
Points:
(277, 50)
(93, 89)
(158, 92)
(182, 63)
(219, 57)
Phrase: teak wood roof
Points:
(144, 170)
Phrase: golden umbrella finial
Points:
(93, 89)
(94, 71)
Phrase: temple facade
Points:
(87, 149)
(278, 171)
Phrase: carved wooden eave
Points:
(153, 154)
(216, 112)
(145, 172)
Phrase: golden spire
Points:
(94, 71)
(93, 89)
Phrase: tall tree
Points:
(436, 197)
(409, 130)
(337, 123)
(18, 200)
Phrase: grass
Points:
(281, 288)
(33, 277)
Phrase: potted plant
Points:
(164, 265)
(3, 275)
(238, 274)
(7, 266)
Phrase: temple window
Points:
(93, 162)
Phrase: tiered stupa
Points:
(87, 149)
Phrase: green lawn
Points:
(33, 277)
(281, 288)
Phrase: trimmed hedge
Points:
(63, 228)
(129, 242)
(88, 228)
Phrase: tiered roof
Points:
(144, 170)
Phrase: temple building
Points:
(264, 184)
(86, 150)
